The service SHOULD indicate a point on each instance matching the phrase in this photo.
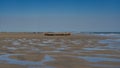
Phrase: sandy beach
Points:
(30, 50)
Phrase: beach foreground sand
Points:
(29, 50)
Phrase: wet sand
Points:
(75, 51)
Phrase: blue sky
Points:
(60, 15)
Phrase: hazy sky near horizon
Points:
(60, 15)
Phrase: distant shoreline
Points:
(69, 32)
(42, 35)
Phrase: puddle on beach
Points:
(7, 59)
(104, 66)
(98, 59)
(113, 44)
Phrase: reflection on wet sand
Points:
(83, 52)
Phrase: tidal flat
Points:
(75, 51)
